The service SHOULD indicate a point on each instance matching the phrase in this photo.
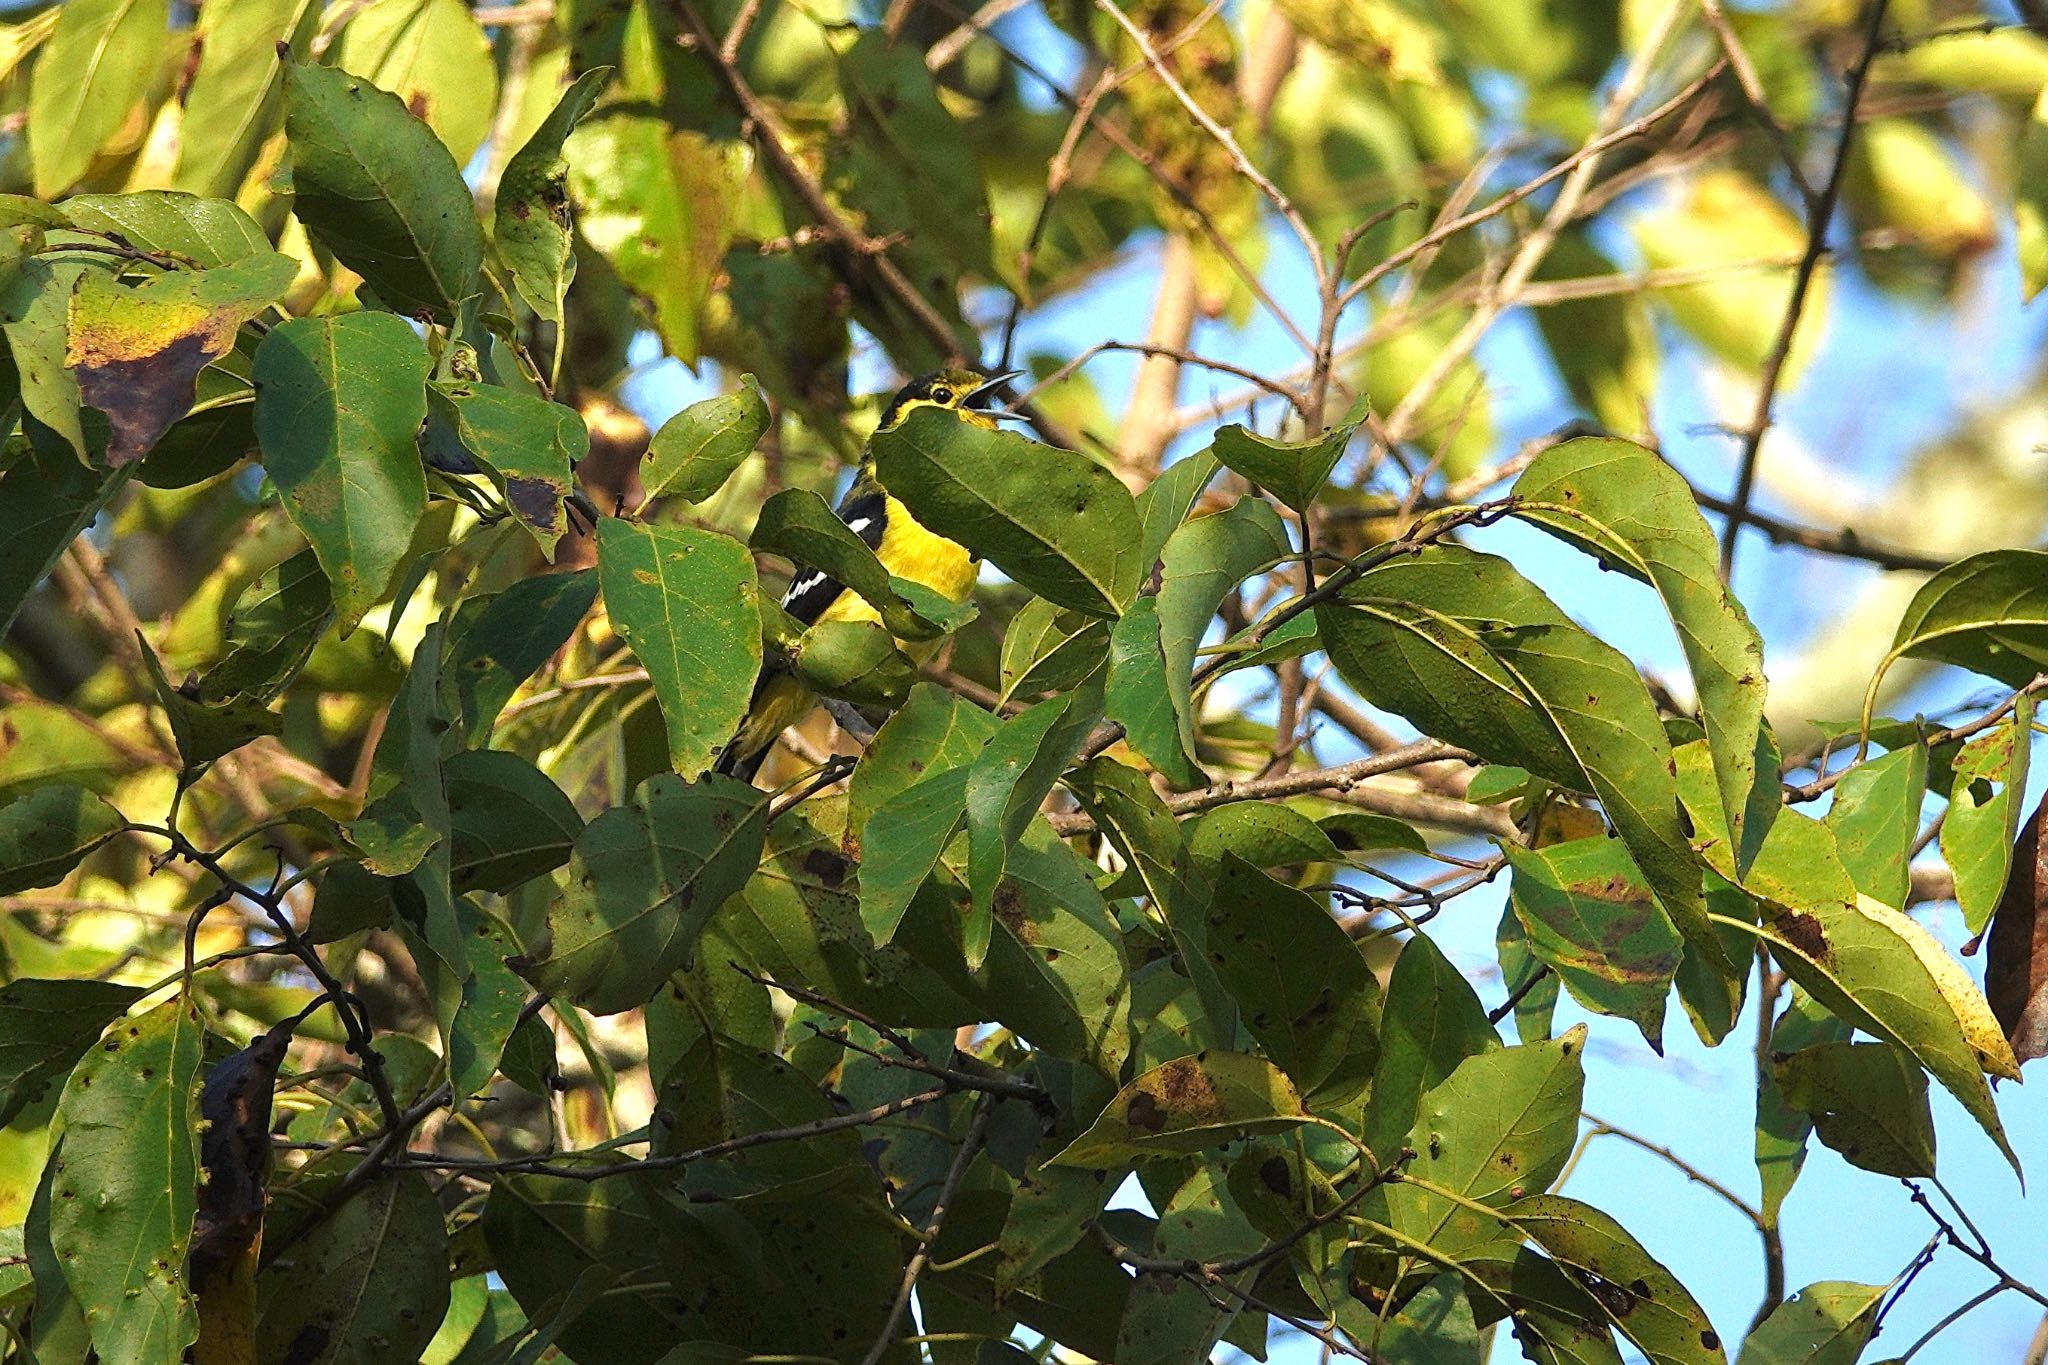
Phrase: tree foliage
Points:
(384, 974)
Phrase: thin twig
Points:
(977, 1132)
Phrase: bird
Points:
(906, 548)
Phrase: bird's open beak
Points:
(987, 387)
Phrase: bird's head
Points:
(959, 390)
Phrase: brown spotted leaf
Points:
(137, 350)
(1188, 1105)
(2016, 967)
(1643, 1300)
(234, 1153)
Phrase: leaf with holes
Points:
(1988, 785)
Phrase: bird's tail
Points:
(779, 701)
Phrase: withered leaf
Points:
(2016, 964)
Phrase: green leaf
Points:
(1048, 1216)
(1006, 784)
(2030, 200)
(126, 1182)
(1633, 512)
(1876, 818)
(1984, 808)
(1535, 999)
(497, 643)
(1164, 503)
(508, 820)
(1868, 1101)
(238, 82)
(1987, 613)
(1189, 1104)
(46, 499)
(1471, 651)
(337, 402)
(206, 730)
(534, 230)
(1501, 1124)
(433, 55)
(799, 525)
(45, 1027)
(696, 450)
(1823, 1324)
(548, 1233)
(1292, 471)
(1301, 985)
(1056, 522)
(35, 308)
(854, 660)
(1645, 1301)
(643, 880)
(1140, 697)
(686, 603)
(1262, 834)
(1173, 1318)
(271, 630)
(1855, 958)
(1430, 1023)
(720, 1090)
(136, 352)
(374, 186)
(210, 233)
(658, 203)
(49, 831)
(97, 67)
(1589, 916)
(368, 1283)
(1358, 831)
(529, 446)
(932, 731)
(1049, 649)
(901, 844)
(1782, 1130)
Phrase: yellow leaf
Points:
(1972, 1011)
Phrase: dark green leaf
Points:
(1187, 1105)
(1164, 503)
(1983, 820)
(1048, 649)
(1645, 1301)
(1823, 1324)
(98, 66)
(1301, 985)
(719, 1090)
(1057, 522)
(337, 402)
(1987, 613)
(45, 1027)
(1473, 652)
(1006, 784)
(529, 445)
(534, 227)
(1140, 697)
(696, 450)
(509, 820)
(1173, 1318)
(1868, 1101)
(46, 833)
(1261, 834)
(206, 730)
(510, 636)
(854, 660)
(642, 881)
(1048, 1216)
(125, 1184)
(368, 1283)
(1430, 1023)
(46, 498)
(1590, 917)
(378, 189)
(686, 603)
(902, 842)
(1292, 471)
(1781, 1130)
(271, 630)
(1535, 1000)
(1624, 505)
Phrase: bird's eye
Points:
(942, 394)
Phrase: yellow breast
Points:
(910, 551)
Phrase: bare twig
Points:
(977, 1132)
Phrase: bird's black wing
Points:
(864, 510)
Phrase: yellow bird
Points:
(907, 549)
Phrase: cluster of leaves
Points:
(411, 990)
